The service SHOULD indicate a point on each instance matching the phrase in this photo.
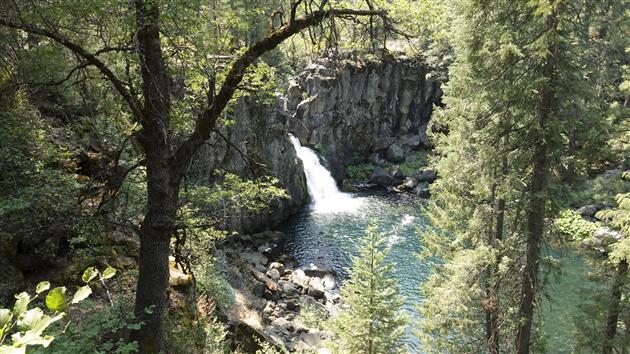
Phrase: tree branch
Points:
(90, 59)
(208, 118)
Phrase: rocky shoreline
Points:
(271, 292)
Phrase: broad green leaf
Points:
(56, 299)
(21, 303)
(9, 349)
(5, 318)
(31, 338)
(89, 274)
(43, 286)
(108, 273)
(29, 319)
(34, 323)
(81, 294)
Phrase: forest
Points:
(314, 176)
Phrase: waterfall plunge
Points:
(322, 188)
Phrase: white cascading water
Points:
(322, 188)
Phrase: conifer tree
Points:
(373, 322)
(511, 100)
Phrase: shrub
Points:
(569, 223)
(360, 172)
(21, 327)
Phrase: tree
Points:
(509, 102)
(372, 322)
(139, 43)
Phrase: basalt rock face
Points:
(258, 146)
(350, 111)
(347, 112)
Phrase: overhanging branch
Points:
(208, 118)
(89, 58)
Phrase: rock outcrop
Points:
(349, 111)
(354, 109)
(273, 297)
(257, 145)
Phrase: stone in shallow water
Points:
(299, 278)
(316, 288)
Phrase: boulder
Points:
(426, 176)
(316, 288)
(589, 211)
(383, 143)
(410, 183)
(254, 258)
(347, 187)
(177, 278)
(273, 274)
(601, 239)
(422, 190)
(381, 177)
(277, 265)
(258, 289)
(377, 159)
(288, 288)
(397, 173)
(329, 281)
(395, 153)
(315, 339)
(413, 141)
(299, 278)
(314, 271)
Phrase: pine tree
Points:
(511, 100)
(373, 322)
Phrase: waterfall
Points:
(322, 188)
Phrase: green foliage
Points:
(23, 327)
(372, 322)
(211, 281)
(98, 330)
(414, 162)
(267, 348)
(313, 317)
(571, 224)
(599, 190)
(37, 193)
(205, 335)
(360, 172)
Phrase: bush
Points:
(99, 329)
(360, 172)
(314, 317)
(21, 327)
(207, 335)
(571, 224)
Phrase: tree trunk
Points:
(535, 210)
(163, 179)
(613, 311)
(156, 231)
(569, 173)
(492, 313)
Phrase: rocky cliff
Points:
(354, 111)
(349, 111)
(258, 146)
